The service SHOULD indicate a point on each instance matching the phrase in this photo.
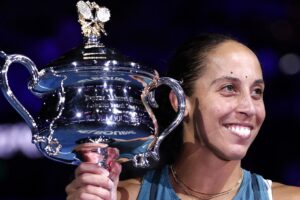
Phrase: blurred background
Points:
(149, 31)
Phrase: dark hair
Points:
(189, 61)
(187, 65)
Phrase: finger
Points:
(90, 168)
(95, 180)
(96, 191)
(101, 155)
(92, 157)
(70, 188)
(113, 153)
(115, 171)
(98, 185)
(83, 196)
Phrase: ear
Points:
(174, 103)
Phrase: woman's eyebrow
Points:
(227, 78)
(259, 81)
(235, 79)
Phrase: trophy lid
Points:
(90, 58)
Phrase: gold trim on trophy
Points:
(92, 18)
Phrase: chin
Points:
(237, 154)
(233, 154)
(238, 157)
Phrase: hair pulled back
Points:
(189, 61)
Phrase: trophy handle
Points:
(8, 94)
(141, 160)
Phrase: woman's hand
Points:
(93, 182)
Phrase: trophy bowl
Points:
(94, 96)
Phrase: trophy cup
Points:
(95, 98)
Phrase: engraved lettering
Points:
(111, 98)
(108, 132)
(104, 78)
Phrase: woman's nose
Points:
(246, 105)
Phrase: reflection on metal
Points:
(53, 146)
(92, 94)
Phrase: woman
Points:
(224, 86)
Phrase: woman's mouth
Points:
(239, 130)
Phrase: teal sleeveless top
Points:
(156, 185)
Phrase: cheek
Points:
(221, 108)
(261, 113)
(216, 112)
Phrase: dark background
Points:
(149, 31)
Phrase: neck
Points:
(204, 171)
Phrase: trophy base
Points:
(64, 142)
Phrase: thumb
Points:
(115, 171)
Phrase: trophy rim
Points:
(50, 78)
(80, 62)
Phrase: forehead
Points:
(234, 59)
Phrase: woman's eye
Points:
(229, 88)
(258, 92)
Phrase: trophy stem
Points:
(92, 41)
(104, 153)
(92, 152)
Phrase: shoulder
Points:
(129, 189)
(285, 192)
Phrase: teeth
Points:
(240, 130)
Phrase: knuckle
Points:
(89, 188)
(68, 189)
(83, 179)
(105, 194)
(79, 169)
(81, 196)
(108, 183)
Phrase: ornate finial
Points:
(92, 18)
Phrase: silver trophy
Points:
(94, 98)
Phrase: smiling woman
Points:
(231, 108)
(223, 83)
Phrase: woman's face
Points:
(227, 108)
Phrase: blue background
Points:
(149, 31)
